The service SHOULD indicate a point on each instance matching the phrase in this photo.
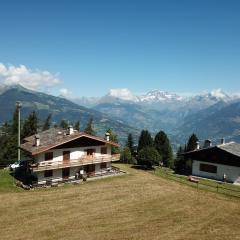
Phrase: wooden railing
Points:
(85, 160)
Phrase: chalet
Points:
(62, 155)
(220, 162)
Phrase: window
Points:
(48, 173)
(103, 165)
(103, 150)
(90, 151)
(48, 156)
(208, 168)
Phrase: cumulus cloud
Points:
(32, 79)
(65, 92)
(122, 93)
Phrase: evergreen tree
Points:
(47, 123)
(77, 126)
(179, 163)
(162, 144)
(30, 125)
(145, 140)
(192, 143)
(148, 156)
(129, 143)
(89, 128)
(126, 156)
(114, 138)
(63, 124)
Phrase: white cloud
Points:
(32, 79)
(122, 93)
(65, 92)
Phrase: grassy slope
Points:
(7, 182)
(139, 205)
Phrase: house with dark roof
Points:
(219, 162)
(62, 155)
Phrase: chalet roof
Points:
(55, 137)
(231, 147)
(227, 154)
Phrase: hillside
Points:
(220, 120)
(60, 108)
(139, 205)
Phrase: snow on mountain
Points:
(213, 96)
(159, 96)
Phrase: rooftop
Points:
(55, 137)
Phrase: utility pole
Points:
(19, 105)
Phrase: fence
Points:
(208, 185)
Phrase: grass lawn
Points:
(7, 182)
(205, 184)
(138, 205)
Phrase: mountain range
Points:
(59, 107)
(212, 114)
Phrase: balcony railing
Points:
(85, 160)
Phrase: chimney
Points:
(222, 140)
(198, 145)
(70, 130)
(207, 143)
(107, 136)
(37, 140)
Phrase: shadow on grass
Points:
(143, 167)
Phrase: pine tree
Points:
(129, 143)
(126, 156)
(30, 125)
(162, 144)
(47, 123)
(114, 138)
(148, 156)
(179, 163)
(192, 143)
(77, 126)
(145, 140)
(89, 128)
(63, 124)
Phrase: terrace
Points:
(85, 160)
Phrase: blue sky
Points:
(92, 46)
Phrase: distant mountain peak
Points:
(158, 96)
(215, 95)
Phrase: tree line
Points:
(30, 126)
(157, 150)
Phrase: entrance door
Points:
(65, 173)
(90, 169)
(66, 157)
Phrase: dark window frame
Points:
(103, 165)
(207, 168)
(103, 150)
(48, 173)
(48, 156)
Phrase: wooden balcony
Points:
(85, 160)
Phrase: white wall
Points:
(232, 173)
(75, 153)
(57, 173)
